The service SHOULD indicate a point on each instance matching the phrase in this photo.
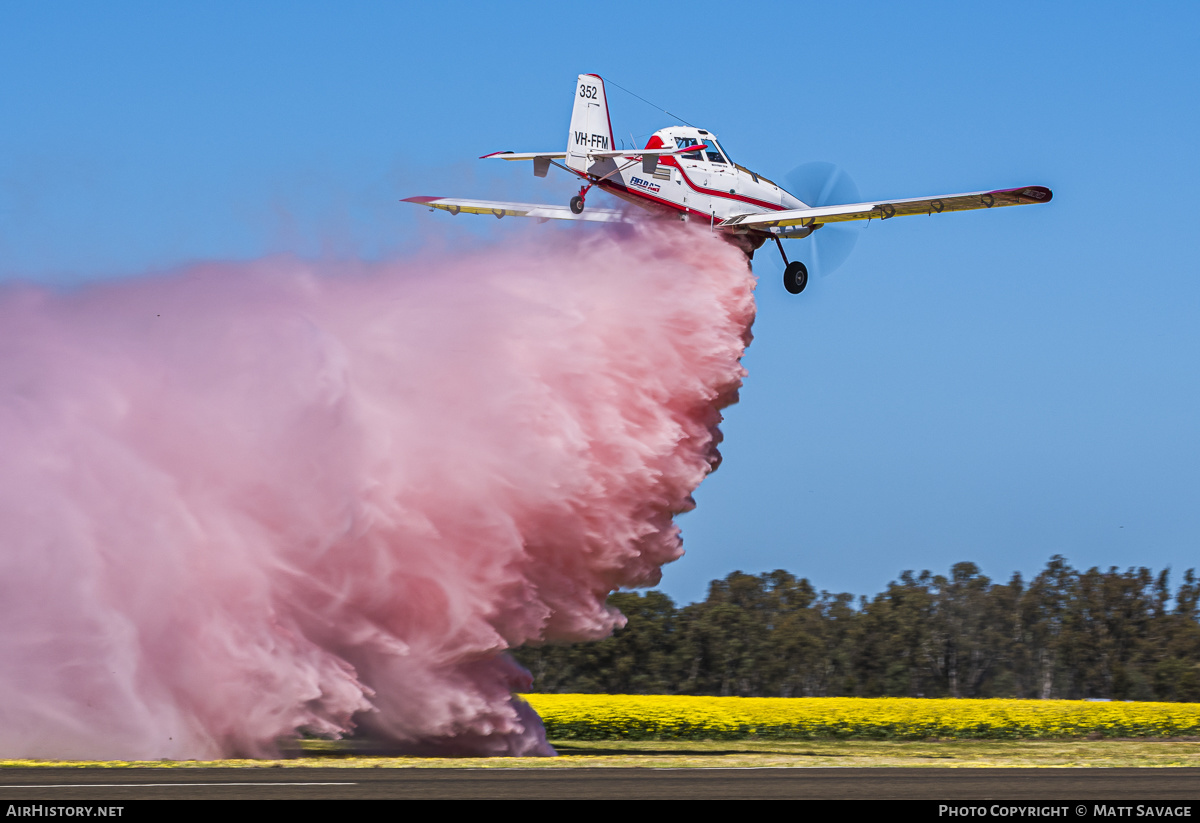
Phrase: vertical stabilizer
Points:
(591, 129)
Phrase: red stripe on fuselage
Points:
(632, 195)
(604, 184)
(656, 142)
(608, 185)
(727, 195)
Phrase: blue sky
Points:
(990, 386)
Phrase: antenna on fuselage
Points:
(648, 103)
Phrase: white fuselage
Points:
(701, 185)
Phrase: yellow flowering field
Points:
(663, 717)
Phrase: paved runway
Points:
(933, 784)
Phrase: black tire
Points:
(795, 277)
(577, 204)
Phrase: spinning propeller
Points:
(824, 184)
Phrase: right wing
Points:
(497, 209)
(882, 210)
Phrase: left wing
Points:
(524, 155)
(498, 209)
(534, 155)
(891, 208)
(542, 159)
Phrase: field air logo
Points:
(644, 184)
(595, 141)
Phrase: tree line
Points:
(1120, 635)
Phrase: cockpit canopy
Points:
(707, 147)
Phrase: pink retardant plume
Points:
(246, 501)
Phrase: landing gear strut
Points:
(795, 274)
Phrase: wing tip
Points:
(420, 199)
(1030, 194)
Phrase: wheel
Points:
(795, 277)
(577, 204)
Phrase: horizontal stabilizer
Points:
(641, 152)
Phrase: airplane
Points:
(684, 173)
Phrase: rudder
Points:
(591, 128)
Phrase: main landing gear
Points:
(577, 203)
(795, 274)
(795, 277)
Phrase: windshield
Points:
(713, 152)
(705, 150)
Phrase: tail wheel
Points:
(795, 277)
(577, 204)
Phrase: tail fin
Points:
(591, 128)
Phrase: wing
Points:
(543, 159)
(883, 210)
(524, 155)
(534, 155)
(498, 209)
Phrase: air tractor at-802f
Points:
(685, 174)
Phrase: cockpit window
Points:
(706, 149)
(712, 152)
(684, 142)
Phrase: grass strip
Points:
(726, 754)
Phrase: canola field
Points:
(662, 717)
